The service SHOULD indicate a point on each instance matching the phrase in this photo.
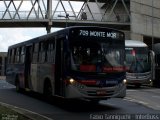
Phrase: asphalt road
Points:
(147, 96)
(132, 106)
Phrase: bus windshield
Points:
(97, 56)
(137, 59)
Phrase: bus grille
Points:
(138, 76)
(104, 93)
(102, 85)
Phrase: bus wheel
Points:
(47, 90)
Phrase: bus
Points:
(73, 63)
(139, 67)
(156, 49)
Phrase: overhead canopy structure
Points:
(62, 13)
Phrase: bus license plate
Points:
(102, 92)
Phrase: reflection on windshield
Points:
(137, 60)
(96, 57)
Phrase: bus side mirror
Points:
(153, 64)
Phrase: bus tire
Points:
(47, 90)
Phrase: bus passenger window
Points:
(17, 54)
(22, 55)
(9, 56)
(51, 51)
(35, 53)
(42, 52)
(13, 56)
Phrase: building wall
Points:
(99, 12)
(102, 12)
(145, 19)
(3, 58)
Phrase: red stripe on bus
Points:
(87, 68)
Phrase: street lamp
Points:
(67, 17)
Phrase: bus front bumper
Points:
(138, 81)
(132, 82)
(138, 78)
(100, 93)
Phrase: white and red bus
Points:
(75, 62)
(139, 63)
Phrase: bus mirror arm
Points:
(153, 64)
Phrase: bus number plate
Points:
(102, 92)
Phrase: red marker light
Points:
(133, 53)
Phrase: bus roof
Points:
(135, 43)
(65, 30)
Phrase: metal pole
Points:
(67, 17)
(153, 54)
(152, 27)
(49, 16)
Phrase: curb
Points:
(29, 114)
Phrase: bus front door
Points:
(59, 84)
(28, 66)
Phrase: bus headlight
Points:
(151, 82)
(124, 81)
(71, 80)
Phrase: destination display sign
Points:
(98, 33)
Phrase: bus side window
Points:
(9, 56)
(35, 52)
(13, 56)
(51, 51)
(42, 52)
(17, 55)
(22, 55)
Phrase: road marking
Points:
(24, 111)
(158, 106)
(131, 90)
(156, 96)
(134, 100)
(155, 107)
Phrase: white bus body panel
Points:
(134, 43)
(137, 78)
(77, 90)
